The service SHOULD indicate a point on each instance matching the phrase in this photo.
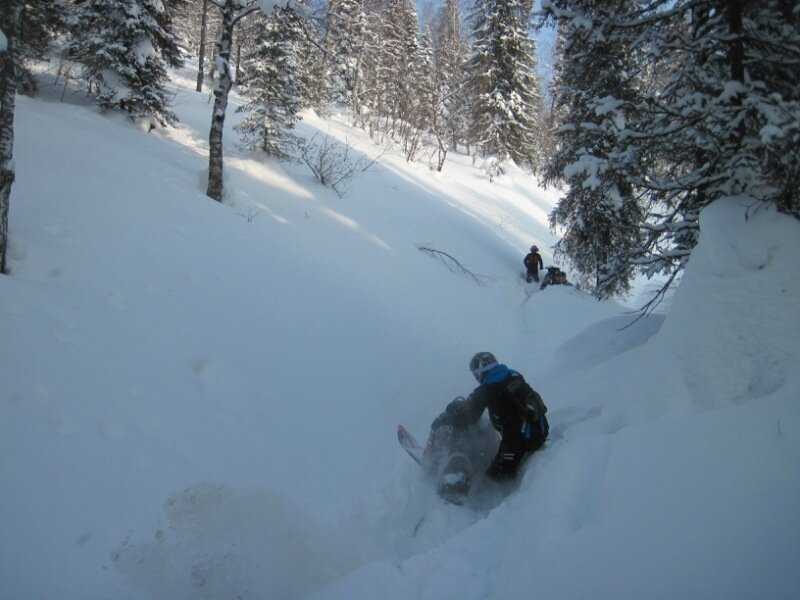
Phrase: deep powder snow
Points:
(200, 400)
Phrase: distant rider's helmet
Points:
(481, 363)
(534, 248)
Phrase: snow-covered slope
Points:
(200, 400)
(680, 476)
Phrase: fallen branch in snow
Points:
(653, 303)
(453, 264)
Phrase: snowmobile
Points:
(453, 459)
(554, 276)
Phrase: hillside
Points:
(201, 399)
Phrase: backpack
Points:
(525, 398)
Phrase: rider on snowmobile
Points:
(516, 411)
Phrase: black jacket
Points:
(533, 262)
(511, 403)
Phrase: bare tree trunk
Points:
(736, 45)
(232, 12)
(238, 59)
(201, 59)
(355, 94)
(441, 153)
(9, 23)
(221, 91)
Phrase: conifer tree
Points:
(597, 216)
(401, 53)
(271, 85)
(369, 92)
(308, 57)
(41, 21)
(314, 68)
(346, 25)
(717, 116)
(506, 99)
(451, 51)
(126, 47)
(435, 94)
(423, 107)
(388, 54)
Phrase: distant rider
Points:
(554, 276)
(533, 262)
(516, 411)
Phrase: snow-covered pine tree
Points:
(772, 51)
(40, 22)
(271, 85)
(10, 13)
(718, 117)
(401, 89)
(371, 90)
(126, 47)
(597, 216)
(435, 97)
(357, 73)
(424, 105)
(378, 58)
(505, 90)
(346, 24)
(723, 123)
(314, 67)
(243, 41)
(398, 68)
(450, 54)
(308, 57)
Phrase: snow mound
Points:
(734, 325)
(220, 542)
(606, 339)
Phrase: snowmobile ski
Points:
(409, 444)
(453, 478)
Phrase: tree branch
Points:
(246, 12)
(654, 302)
(453, 264)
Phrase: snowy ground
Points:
(200, 400)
